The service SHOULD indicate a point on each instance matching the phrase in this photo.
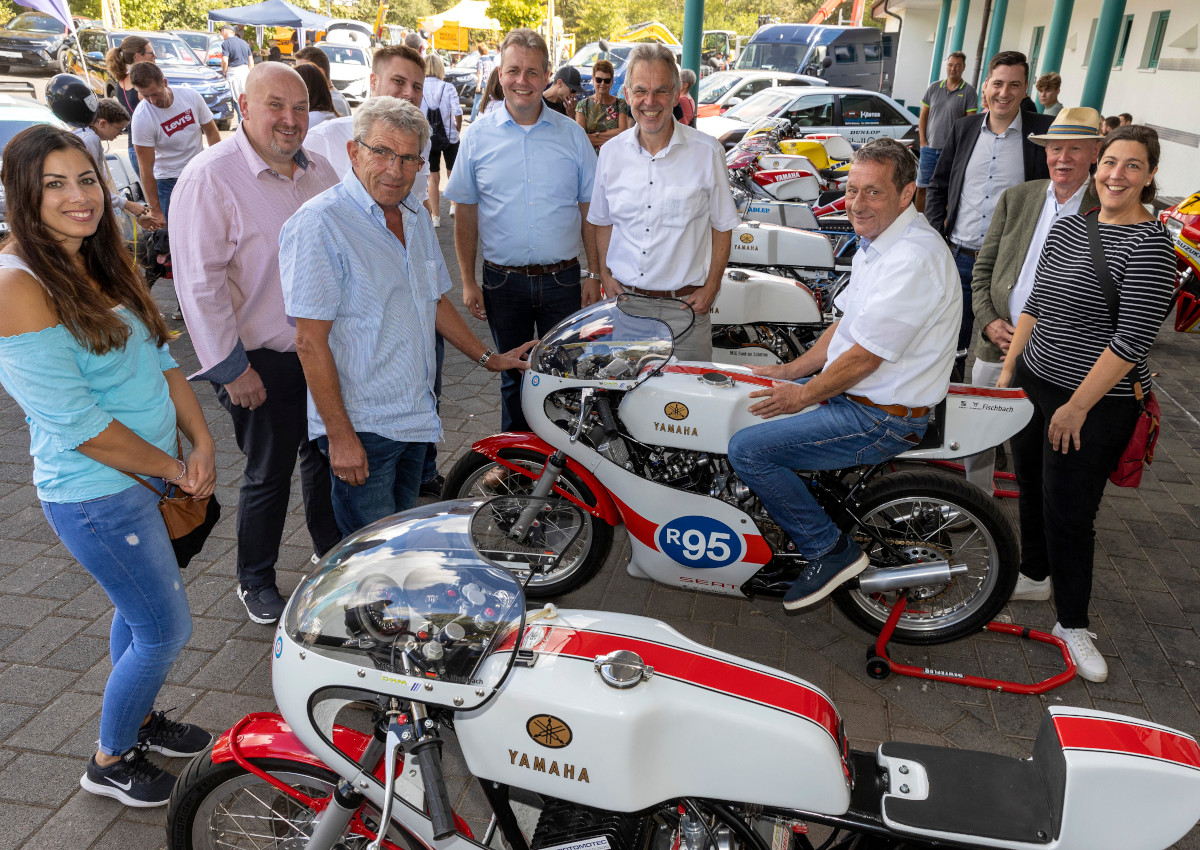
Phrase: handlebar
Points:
(436, 797)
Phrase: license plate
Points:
(10, 54)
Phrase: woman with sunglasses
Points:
(132, 50)
(603, 115)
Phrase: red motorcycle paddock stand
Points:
(999, 493)
(879, 665)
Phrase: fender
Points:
(490, 447)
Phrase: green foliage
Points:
(513, 14)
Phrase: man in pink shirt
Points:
(230, 205)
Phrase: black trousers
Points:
(270, 436)
(1060, 494)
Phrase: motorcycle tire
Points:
(468, 480)
(209, 798)
(932, 516)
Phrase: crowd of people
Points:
(316, 297)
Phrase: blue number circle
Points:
(700, 542)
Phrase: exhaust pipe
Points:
(912, 575)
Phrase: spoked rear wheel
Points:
(929, 516)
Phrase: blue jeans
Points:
(475, 105)
(429, 470)
(520, 308)
(926, 164)
(395, 478)
(122, 541)
(838, 434)
(965, 264)
(133, 161)
(165, 187)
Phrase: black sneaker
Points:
(134, 780)
(263, 604)
(433, 487)
(177, 740)
(823, 575)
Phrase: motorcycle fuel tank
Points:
(756, 244)
(748, 297)
(770, 211)
(670, 719)
(789, 185)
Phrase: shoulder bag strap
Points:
(1107, 285)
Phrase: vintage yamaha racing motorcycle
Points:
(632, 436)
(409, 643)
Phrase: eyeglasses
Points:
(659, 92)
(148, 52)
(602, 81)
(408, 161)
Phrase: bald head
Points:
(275, 113)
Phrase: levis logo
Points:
(178, 123)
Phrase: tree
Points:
(514, 14)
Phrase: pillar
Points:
(1104, 49)
(960, 25)
(996, 32)
(939, 42)
(1056, 38)
(693, 35)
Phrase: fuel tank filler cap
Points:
(622, 669)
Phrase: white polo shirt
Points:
(662, 208)
(904, 304)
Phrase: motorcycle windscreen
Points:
(606, 345)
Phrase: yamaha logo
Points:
(746, 238)
(676, 410)
(548, 731)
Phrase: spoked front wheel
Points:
(928, 516)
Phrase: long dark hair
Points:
(491, 90)
(319, 98)
(81, 308)
(1147, 137)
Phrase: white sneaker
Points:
(437, 222)
(1089, 663)
(1030, 590)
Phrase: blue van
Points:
(847, 57)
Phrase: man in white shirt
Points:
(396, 71)
(883, 366)
(662, 207)
(1005, 268)
(169, 128)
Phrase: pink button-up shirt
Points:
(226, 214)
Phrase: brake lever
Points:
(395, 738)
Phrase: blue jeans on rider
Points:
(429, 470)
(122, 541)
(391, 486)
(925, 165)
(520, 308)
(965, 263)
(837, 434)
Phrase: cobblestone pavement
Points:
(54, 623)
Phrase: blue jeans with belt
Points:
(837, 434)
(392, 485)
(519, 308)
(122, 541)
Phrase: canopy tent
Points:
(270, 13)
(467, 14)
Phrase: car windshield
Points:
(341, 55)
(8, 129)
(591, 53)
(195, 40)
(168, 49)
(766, 102)
(715, 85)
(469, 61)
(606, 345)
(767, 56)
(33, 22)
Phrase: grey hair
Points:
(653, 53)
(687, 77)
(395, 113)
(527, 39)
(904, 165)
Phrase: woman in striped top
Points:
(1078, 365)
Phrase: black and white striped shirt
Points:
(1073, 326)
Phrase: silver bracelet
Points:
(182, 472)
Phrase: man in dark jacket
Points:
(984, 156)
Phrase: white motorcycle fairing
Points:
(786, 213)
(786, 162)
(756, 244)
(789, 185)
(610, 742)
(751, 296)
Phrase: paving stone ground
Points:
(54, 624)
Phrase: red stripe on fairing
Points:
(986, 392)
(1095, 733)
(758, 551)
(736, 376)
(701, 670)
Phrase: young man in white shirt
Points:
(169, 128)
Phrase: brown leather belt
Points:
(893, 409)
(682, 292)
(959, 249)
(534, 271)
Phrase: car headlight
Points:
(220, 88)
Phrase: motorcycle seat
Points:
(935, 433)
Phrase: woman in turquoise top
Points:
(83, 350)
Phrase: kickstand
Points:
(879, 665)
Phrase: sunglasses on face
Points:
(601, 81)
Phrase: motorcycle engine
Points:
(563, 823)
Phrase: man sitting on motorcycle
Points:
(883, 366)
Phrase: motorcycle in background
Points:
(1183, 223)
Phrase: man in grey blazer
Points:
(1005, 268)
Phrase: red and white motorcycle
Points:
(409, 644)
(634, 437)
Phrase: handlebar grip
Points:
(436, 797)
(606, 417)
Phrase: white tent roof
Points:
(471, 14)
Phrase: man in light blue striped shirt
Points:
(364, 280)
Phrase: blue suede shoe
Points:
(823, 575)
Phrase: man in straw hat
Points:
(1004, 269)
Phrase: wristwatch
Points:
(591, 276)
(485, 357)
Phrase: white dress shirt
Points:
(997, 162)
(662, 208)
(329, 139)
(1052, 211)
(904, 304)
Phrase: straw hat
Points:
(1074, 122)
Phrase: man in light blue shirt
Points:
(523, 182)
(364, 280)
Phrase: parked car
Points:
(462, 76)
(349, 70)
(726, 89)
(178, 62)
(615, 52)
(17, 113)
(37, 41)
(851, 57)
(206, 45)
(858, 115)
